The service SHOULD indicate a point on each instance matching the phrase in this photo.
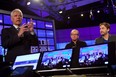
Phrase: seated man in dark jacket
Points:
(75, 44)
(105, 36)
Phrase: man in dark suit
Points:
(105, 36)
(75, 44)
(18, 39)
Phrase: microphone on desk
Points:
(68, 70)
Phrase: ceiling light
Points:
(82, 15)
(98, 11)
(60, 11)
(68, 17)
(91, 13)
(28, 3)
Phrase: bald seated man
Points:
(75, 44)
(75, 40)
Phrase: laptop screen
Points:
(27, 60)
(93, 55)
(56, 59)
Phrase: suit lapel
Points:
(110, 38)
(101, 39)
(14, 29)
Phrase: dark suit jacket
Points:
(112, 38)
(15, 45)
(78, 44)
(76, 49)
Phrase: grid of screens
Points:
(93, 55)
(56, 59)
(43, 28)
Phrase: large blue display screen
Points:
(7, 19)
(40, 24)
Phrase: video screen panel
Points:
(7, 19)
(49, 25)
(50, 41)
(56, 59)
(40, 24)
(93, 55)
(41, 33)
(50, 48)
(42, 41)
(49, 33)
(43, 48)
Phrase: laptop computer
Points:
(27, 60)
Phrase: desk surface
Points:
(83, 70)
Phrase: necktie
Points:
(18, 29)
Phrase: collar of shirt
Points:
(16, 26)
(106, 40)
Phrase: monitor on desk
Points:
(56, 59)
(27, 60)
(97, 55)
(93, 55)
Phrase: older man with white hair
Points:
(18, 38)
